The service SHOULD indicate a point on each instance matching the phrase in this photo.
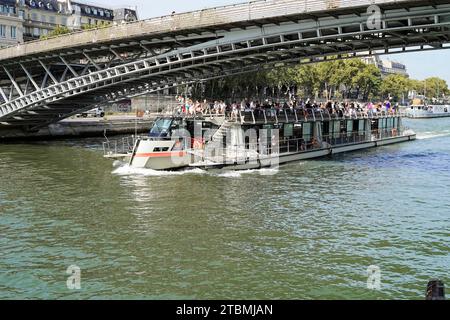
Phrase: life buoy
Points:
(197, 144)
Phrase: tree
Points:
(417, 85)
(435, 87)
(368, 81)
(395, 86)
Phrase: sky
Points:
(420, 65)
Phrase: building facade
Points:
(387, 67)
(89, 15)
(11, 24)
(40, 17)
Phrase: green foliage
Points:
(59, 30)
(102, 24)
(395, 86)
(435, 87)
(349, 78)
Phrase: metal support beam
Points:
(47, 70)
(69, 66)
(2, 93)
(16, 86)
(91, 61)
(30, 77)
(118, 56)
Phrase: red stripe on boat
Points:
(160, 154)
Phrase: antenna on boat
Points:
(135, 126)
(104, 134)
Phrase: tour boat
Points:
(255, 139)
(423, 111)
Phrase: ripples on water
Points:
(309, 231)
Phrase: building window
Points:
(2, 31)
(52, 19)
(36, 32)
(34, 17)
(64, 21)
(21, 14)
(43, 18)
(13, 32)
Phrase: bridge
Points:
(43, 82)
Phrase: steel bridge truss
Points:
(37, 91)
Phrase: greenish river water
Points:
(308, 232)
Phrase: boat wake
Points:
(238, 174)
(433, 135)
(126, 170)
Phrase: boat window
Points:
(307, 131)
(361, 126)
(375, 124)
(325, 128)
(298, 130)
(349, 127)
(161, 128)
(289, 130)
(161, 149)
(336, 129)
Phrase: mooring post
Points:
(436, 290)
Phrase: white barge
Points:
(423, 111)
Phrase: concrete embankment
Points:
(78, 128)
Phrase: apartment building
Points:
(40, 17)
(11, 25)
(387, 67)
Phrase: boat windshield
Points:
(161, 128)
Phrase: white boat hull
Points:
(306, 155)
(159, 155)
(427, 112)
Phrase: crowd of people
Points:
(219, 107)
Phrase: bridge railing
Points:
(253, 10)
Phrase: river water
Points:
(310, 231)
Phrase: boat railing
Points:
(304, 115)
(281, 115)
(251, 151)
(121, 146)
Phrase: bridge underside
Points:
(40, 89)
